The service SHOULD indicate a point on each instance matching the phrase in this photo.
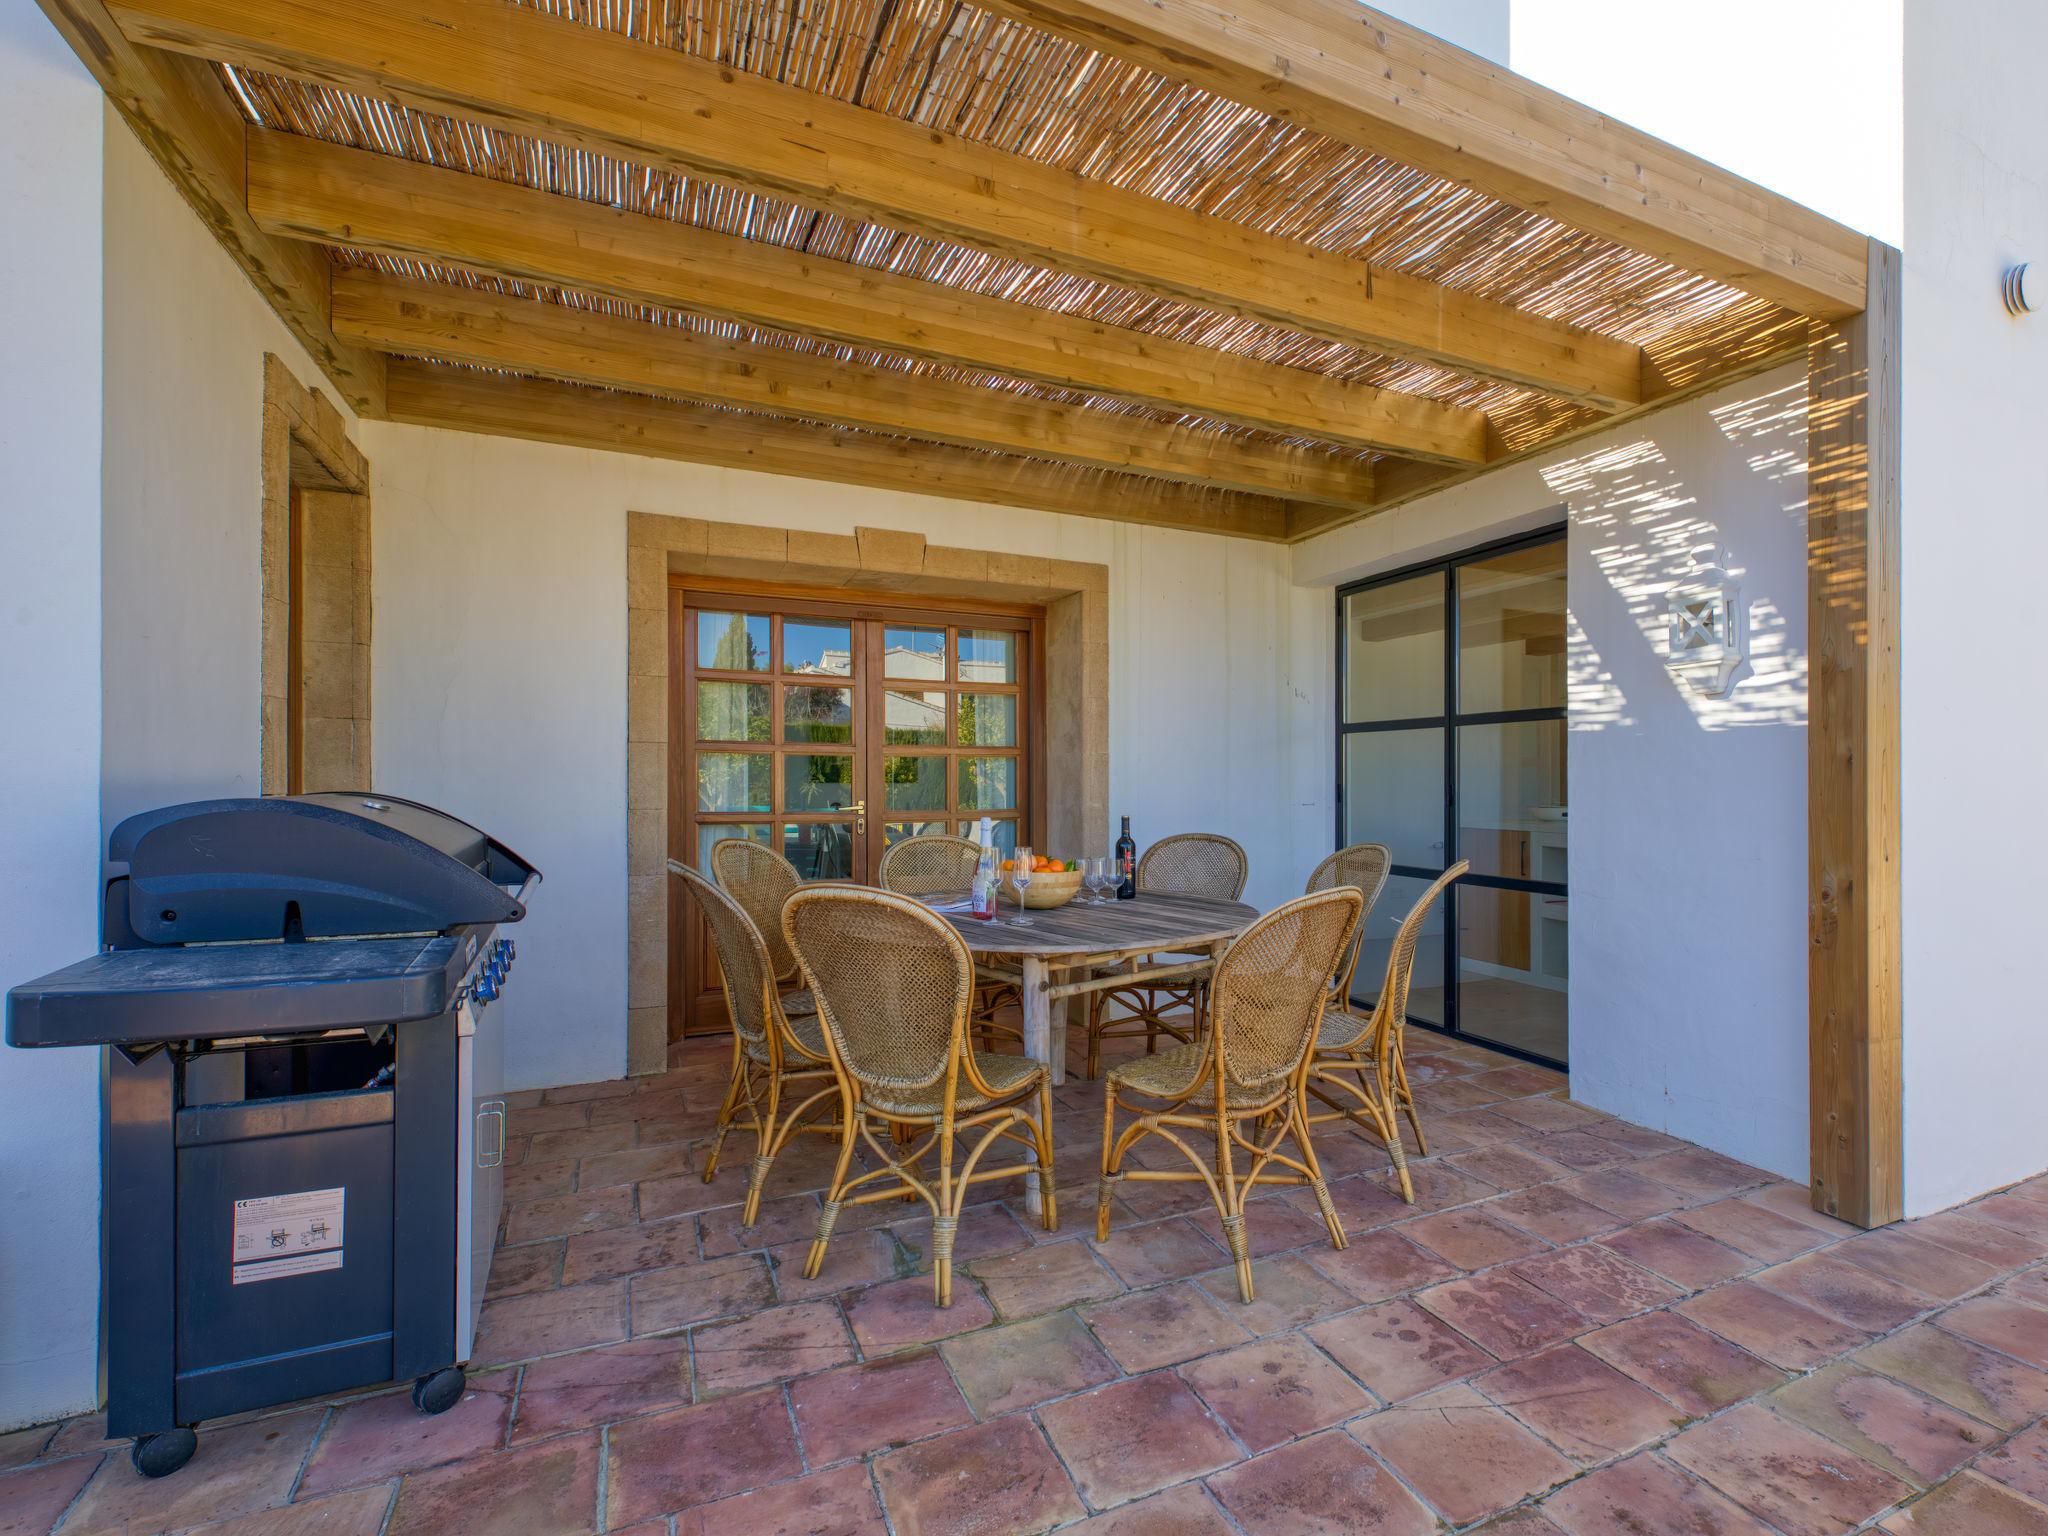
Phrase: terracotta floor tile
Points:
(1022, 1364)
(2011, 1212)
(1503, 1314)
(538, 1181)
(1361, 1205)
(563, 1215)
(1772, 1326)
(1638, 1139)
(1983, 1240)
(531, 1267)
(547, 1146)
(1926, 1267)
(1553, 1213)
(598, 1386)
(1519, 1082)
(1159, 1250)
(1596, 1283)
(1855, 1295)
(1582, 1150)
(87, 1432)
(21, 1446)
(2030, 1286)
(1756, 1230)
(1984, 1384)
(547, 1322)
(1184, 1511)
(1376, 1265)
(1438, 1187)
(1465, 1456)
(1969, 1506)
(1696, 1171)
(1275, 1390)
(32, 1497)
(1580, 1403)
(661, 1199)
(1628, 1195)
(359, 1512)
(1398, 1350)
(900, 1314)
(1910, 1435)
(1647, 1496)
(1522, 1522)
(1325, 1486)
(1469, 1238)
(376, 1438)
(633, 1250)
(237, 1468)
(839, 1502)
(1508, 1167)
(1132, 1437)
(1164, 1326)
(2011, 1327)
(772, 1345)
(792, 1219)
(999, 1476)
(984, 1232)
(853, 1260)
(1044, 1278)
(1679, 1254)
(859, 1409)
(2021, 1464)
(1801, 1482)
(1270, 1226)
(534, 1119)
(674, 1461)
(537, 1490)
(1796, 1201)
(1546, 1115)
(630, 1167)
(1287, 1292)
(667, 1299)
(1698, 1371)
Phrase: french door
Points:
(829, 727)
(1451, 745)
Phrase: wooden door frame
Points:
(858, 608)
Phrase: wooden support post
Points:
(1852, 553)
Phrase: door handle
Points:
(493, 1110)
(860, 815)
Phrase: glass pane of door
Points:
(1511, 799)
(1511, 969)
(1394, 793)
(1382, 924)
(1394, 650)
(1511, 631)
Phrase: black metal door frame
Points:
(1449, 722)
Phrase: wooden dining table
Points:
(1090, 939)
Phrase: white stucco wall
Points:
(49, 676)
(186, 334)
(1974, 546)
(1688, 815)
(502, 694)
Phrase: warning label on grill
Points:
(278, 1236)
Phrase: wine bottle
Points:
(1126, 864)
(982, 904)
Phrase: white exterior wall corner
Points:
(1688, 824)
(1974, 546)
(50, 261)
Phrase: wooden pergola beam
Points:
(462, 400)
(1853, 830)
(1357, 75)
(181, 112)
(312, 190)
(514, 68)
(468, 325)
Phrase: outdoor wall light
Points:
(2023, 291)
(1707, 634)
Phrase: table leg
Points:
(1041, 1044)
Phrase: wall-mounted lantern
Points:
(1708, 633)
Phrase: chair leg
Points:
(1232, 1206)
(1408, 1101)
(1048, 1196)
(764, 1156)
(1316, 1182)
(1109, 1164)
(946, 1220)
(1094, 1035)
(730, 1107)
(827, 1218)
(1394, 1135)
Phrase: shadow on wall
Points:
(1640, 523)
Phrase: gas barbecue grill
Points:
(302, 1140)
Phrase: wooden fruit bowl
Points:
(1048, 888)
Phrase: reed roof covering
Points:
(949, 66)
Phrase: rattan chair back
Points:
(1268, 990)
(1392, 1006)
(924, 866)
(893, 982)
(760, 880)
(1194, 864)
(1362, 866)
(743, 961)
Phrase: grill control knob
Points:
(486, 988)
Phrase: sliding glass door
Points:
(1451, 745)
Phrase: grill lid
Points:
(312, 866)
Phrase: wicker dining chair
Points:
(1359, 1057)
(760, 880)
(1364, 867)
(894, 985)
(776, 1059)
(1186, 864)
(932, 865)
(1244, 1083)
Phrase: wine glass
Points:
(1097, 879)
(1020, 871)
